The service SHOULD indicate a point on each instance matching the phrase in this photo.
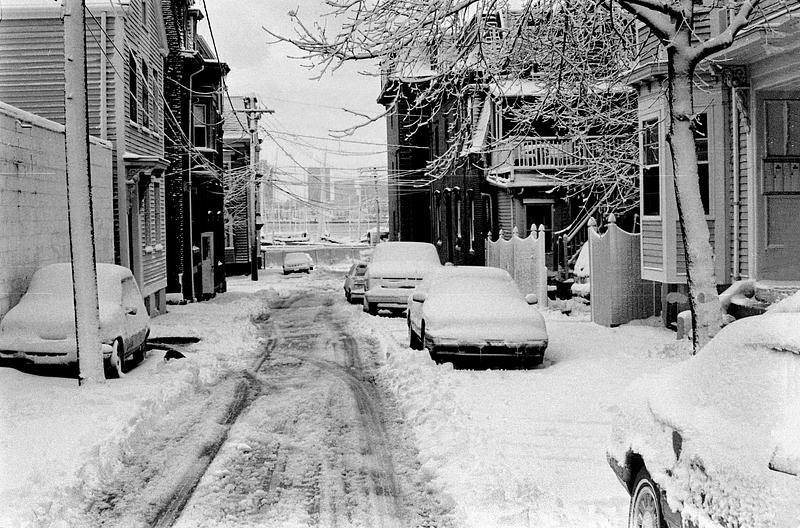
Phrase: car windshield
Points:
(405, 251)
(360, 270)
(294, 258)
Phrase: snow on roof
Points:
(518, 88)
(388, 251)
(479, 134)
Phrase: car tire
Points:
(645, 508)
(413, 340)
(138, 356)
(348, 296)
(372, 308)
(115, 366)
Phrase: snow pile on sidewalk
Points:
(524, 448)
(57, 435)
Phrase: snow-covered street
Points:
(340, 424)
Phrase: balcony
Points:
(527, 161)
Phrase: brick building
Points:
(194, 198)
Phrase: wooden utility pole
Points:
(253, 115)
(79, 196)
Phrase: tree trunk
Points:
(703, 298)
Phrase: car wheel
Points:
(372, 308)
(645, 510)
(115, 366)
(138, 356)
(413, 340)
(348, 296)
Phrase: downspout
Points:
(103, 79)
(736, 177)
(191, 219)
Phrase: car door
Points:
(136, 318)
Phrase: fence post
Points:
(542, 271)
(515, 232)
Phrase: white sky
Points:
(302, 105)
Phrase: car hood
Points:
(480, 318)
(723, 408)
(400, 269)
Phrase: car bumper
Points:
(44, 351)
(295, 269)
(389, 297)
(528, 350)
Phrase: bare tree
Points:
(579, 55)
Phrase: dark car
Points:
(355, 281)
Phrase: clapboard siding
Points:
(744, 205)
(652, 244)
(505, 213)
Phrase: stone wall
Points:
(34, 230)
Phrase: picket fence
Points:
(618, 293)
(523, 259)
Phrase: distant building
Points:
(319, 185)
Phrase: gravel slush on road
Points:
(297, 409)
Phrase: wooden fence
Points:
(523, 259)
(618, 293)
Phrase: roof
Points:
(232, 129)
(518, 88)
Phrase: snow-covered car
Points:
(395, 270)
(714, 441)
(41, 327)
(297, 263)
(476, 312)
(354, 282)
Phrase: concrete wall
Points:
(33, 200)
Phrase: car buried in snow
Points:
(297, 262)
(475, 312)
(41, 328)
(354, 282)
(714, 441)
(395, 270)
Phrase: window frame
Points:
(708, 207)
(133, 81)
(146, 99)
(650, 123)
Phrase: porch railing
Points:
(546, 152)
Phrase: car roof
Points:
(487, 272)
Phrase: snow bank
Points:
(522, 448)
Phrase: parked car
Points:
(41, 327)
(297, 263)
(354, 282)
(714, 441)
(395, 270)
(475, 312)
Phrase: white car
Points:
(41, 327)
(714, 441)
(354, 282)
(395, 270)
(476, 312)
(297, 263)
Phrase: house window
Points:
(148, 218)
(133, 105)
(651, 172)
(701, 143)
(471, 220)
(145, 96)
(783, 127)
(156, 110)
(199, 136)
(158, 219)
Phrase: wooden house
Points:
(126, 47)
(747, 131)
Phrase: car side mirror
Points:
(418, 297)
(784, 462)
(532, 298)
(131, 310)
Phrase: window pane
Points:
(650, 192)
(651, 176)
(776, 128)
(702, 171)
(793, 145)
(701, 137)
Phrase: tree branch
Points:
(725, 39)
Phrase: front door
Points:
(780, 189)
(540, 213)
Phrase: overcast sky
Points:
(302, 105)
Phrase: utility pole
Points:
(253, 115)
(79, 196)
(377, 208)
